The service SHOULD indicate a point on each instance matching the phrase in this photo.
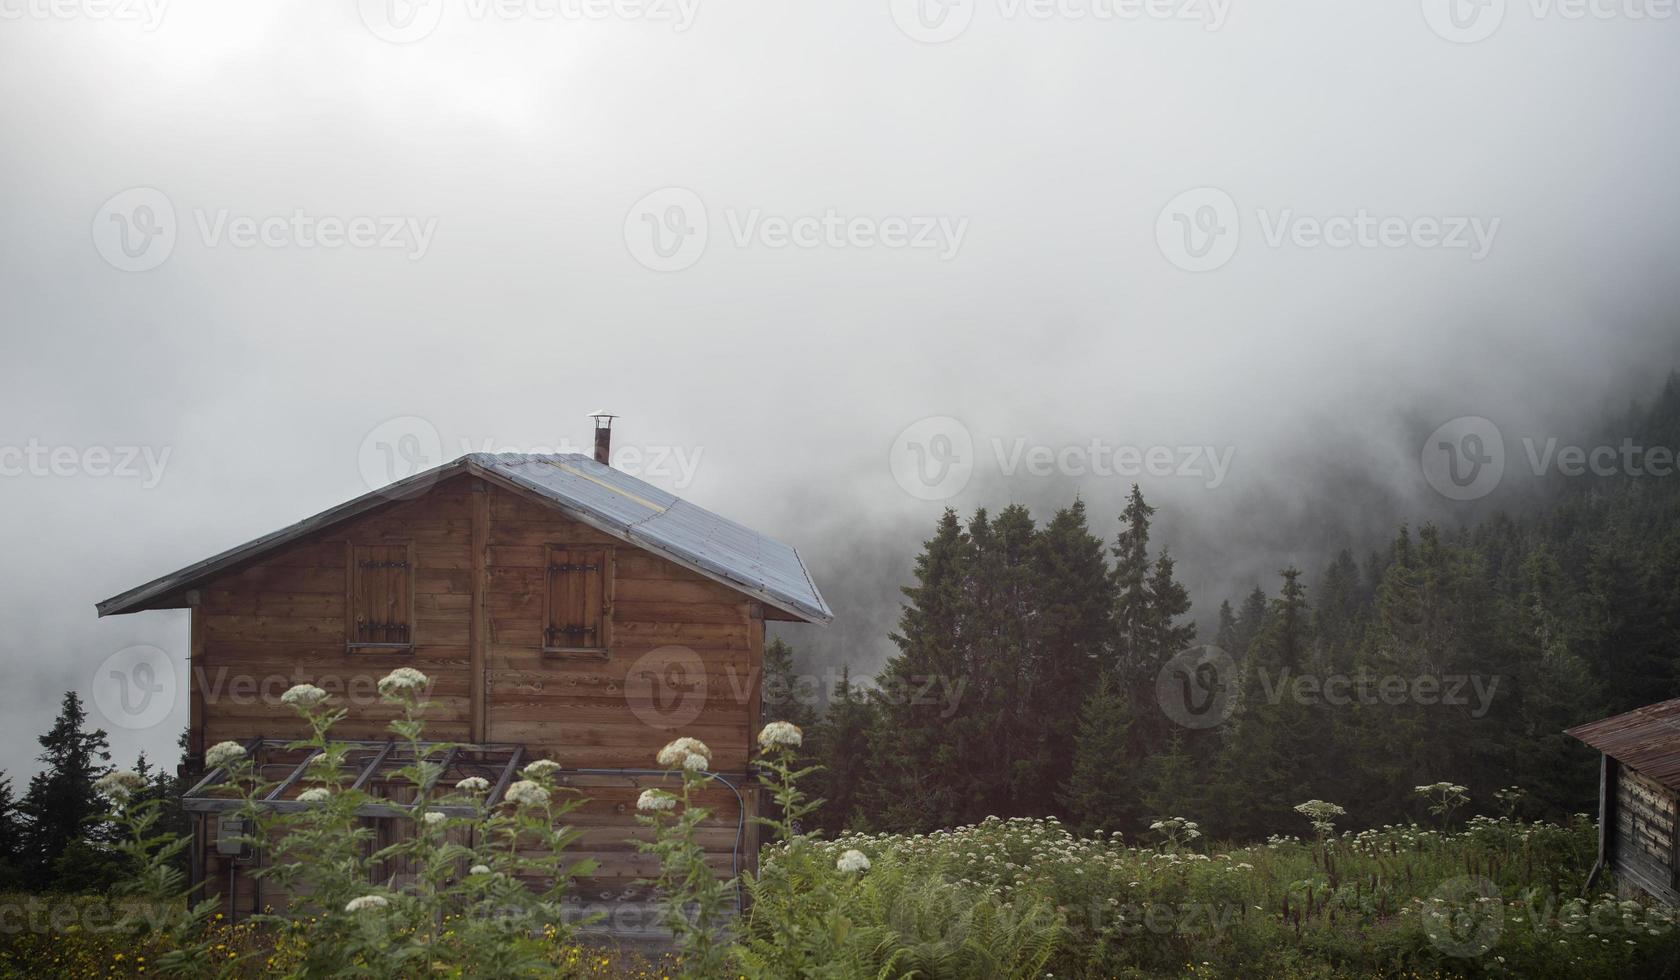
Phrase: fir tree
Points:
(61, 805)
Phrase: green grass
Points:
(1497, 898)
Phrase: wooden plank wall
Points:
(684, 660)
(1643, 850)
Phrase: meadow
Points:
(1490, 896)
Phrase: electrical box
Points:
(230, 833)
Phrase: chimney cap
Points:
(602, 414)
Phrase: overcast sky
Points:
(776, 238)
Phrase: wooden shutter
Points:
(577, 614)
(381, 601)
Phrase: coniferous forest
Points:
(1452, 653)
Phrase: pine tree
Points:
(840, 743)
(1251, 619)
(61, 804)
(11, 838)
(1075, 602)
(787, 695)
(1101, 793)
(917, 775)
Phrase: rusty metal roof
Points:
(1646, 739)
(606, 499)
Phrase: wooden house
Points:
(1639, 781)
(562, 609)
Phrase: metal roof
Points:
(606, 499)
(1646, 739)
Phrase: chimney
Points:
(603, 437)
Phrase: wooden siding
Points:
(1642, 848)
(683, 659)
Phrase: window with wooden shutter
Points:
(381, 600)
(577, 613)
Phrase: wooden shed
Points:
(562, 608)
(1639, 781)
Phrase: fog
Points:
(774, 238)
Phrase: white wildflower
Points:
(316, 795)
(303, 696)
(655, 799)
(434, 818)
(683, 753)
(119, 785)
(402, 680)
(479, 869)
(473, 784)
(527, 793)
(852, 862)
(540, 768)
(365, 902)
(224, 754)
(781, 733)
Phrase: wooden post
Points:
(755, 721)
(478, 628)
(195, 687)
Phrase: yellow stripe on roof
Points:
(650, 505)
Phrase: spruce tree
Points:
(61, 805)
(1075, 602)
(1101, 792)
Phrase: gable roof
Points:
(611, 501)
(1646, 739)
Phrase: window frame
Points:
(352, 570)
(603, 649)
